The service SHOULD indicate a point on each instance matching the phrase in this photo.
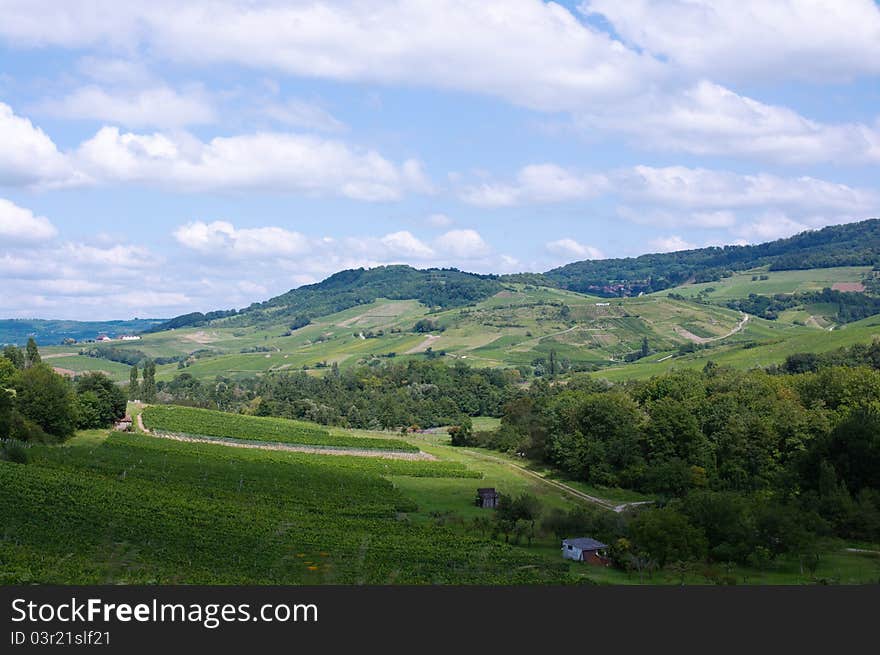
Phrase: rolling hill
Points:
(362, 317)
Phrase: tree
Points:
(32, 353)
(100, 399)
(6, 409)
(665, 535)
(645, 350)
(46, 398)
(148, 388)
(134, 388)
(14, 355)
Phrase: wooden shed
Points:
(584, 549)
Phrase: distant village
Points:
(102, 338)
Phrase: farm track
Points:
(693, 337)
(601, 502)
(313, 450)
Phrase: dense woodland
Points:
(391, 396)
(747, 465)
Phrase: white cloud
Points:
(404, 244)
(28, 157)
(702, 189)
(299, 113)
(769, 226)
(439, 220)
(485, 47)
(222, 237)
(536, 183)
(159, 106)
(568, 247)
(268, 161)
(20, 224)
(665, 85)
(670, 244)
(709, 119)
(748, 39)
(464, 244)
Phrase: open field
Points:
(760, 344)
(741, 284)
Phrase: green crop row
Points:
(141, 510)
(209, 423)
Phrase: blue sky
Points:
(158, 160)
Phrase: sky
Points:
(159, 157)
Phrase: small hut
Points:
(487, 498)
(584, 549)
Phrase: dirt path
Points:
(314, 450)
(521, 346)
(693, 337)
(422, 347)
(601, 502)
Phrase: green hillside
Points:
(852, 244)
(517, 326)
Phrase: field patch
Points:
(208, 423)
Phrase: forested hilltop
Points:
(852, 244)
(433, 287)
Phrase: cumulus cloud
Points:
(749, 39)
(453, 44)
(20, 224)
(463, 244)
(159, 106)
(672, 243)
(701, 188)
(223, 238)
(404, 244)
(273, 161)
(570, 248)
(28, 156)
(664, 78)
(536, 183)
(267, 161)
(709, 119)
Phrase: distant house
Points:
(130, 337)
(487, 498)
(602, 304)
(584, 549)
(103, 338)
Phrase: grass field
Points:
(741, 284)
(758, 345)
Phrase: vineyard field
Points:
(133, 509)
(209, 423)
